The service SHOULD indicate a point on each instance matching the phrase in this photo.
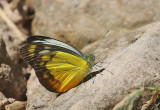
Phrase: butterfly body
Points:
(58, 66)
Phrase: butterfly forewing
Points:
(30, 52)
(55, 43)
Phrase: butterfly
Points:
(58, 66)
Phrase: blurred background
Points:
(77, 22)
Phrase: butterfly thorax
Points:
(90, 60)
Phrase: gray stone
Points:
(134, 63)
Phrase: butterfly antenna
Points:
(99, 44)
(101, 40)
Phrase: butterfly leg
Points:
(104, 68)
(76, 89)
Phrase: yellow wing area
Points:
(65, 70)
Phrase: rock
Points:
(4, 57)
(4, 101)
(17, 105)
(10, 39)
(81, 22)
(134, 63)
(13, 83)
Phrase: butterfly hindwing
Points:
(60, 71)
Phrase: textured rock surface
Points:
(10, 39)
(12, 81)
(81, 22)
(134, 63)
